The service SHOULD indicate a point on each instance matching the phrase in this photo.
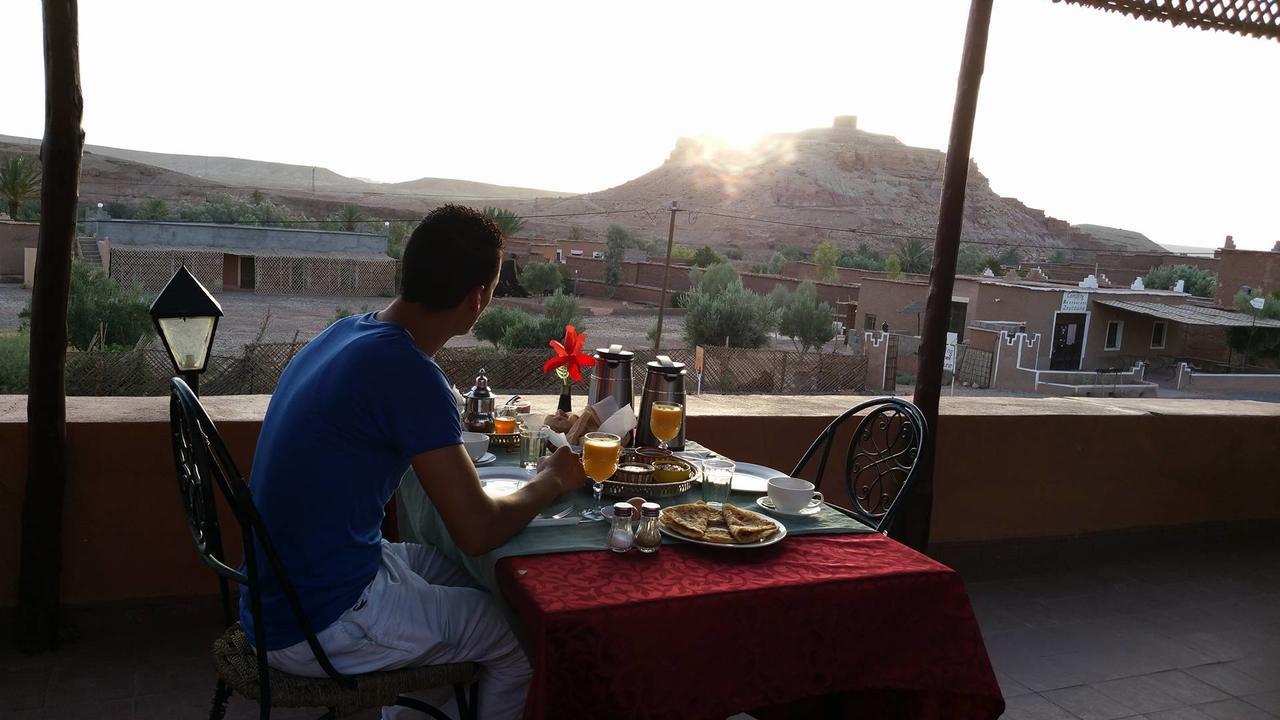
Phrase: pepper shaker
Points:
(648, 538)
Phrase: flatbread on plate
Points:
(746, 526)
(729, 525)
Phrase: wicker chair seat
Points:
(237, 664)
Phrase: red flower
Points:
(569, 354)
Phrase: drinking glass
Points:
(533, 442)
(600, 453)
(717, 480)
(664, 421)
(506, 420)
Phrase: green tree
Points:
(153, 209)
(541, 278)
(861, 258)
(794, 254)
(1253, 342)
(733, 254)
(825, 257)
(397, 236)
(773, 267)
(507, 221)
(257, 197)
(680, 253)
(97, 302)
(1197, 281)
(893, 266)
(719, 308)
(15, 351)
(969, 260)
(19, 181)
(913, 255)
(617, 240)
(706, 257)
(805, 320)
(1060, 256)
(1010, 257)
(119, 210)
(494, 323)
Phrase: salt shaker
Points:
(620, 537)
(648, 538)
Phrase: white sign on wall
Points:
(1075, 302)
(949, 359)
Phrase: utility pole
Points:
(666, 276)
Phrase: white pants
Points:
(422, 609)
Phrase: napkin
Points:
(621, 422)
(557, 440)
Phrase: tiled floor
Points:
(1169, 631)
(1165, 631)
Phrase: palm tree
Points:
(508, 222)
(349, 215)
(914, 255)
(19, 180)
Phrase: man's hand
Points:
(565, 467)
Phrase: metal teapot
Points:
(477, 413)
(612, 376)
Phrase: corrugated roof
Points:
(1190, 314)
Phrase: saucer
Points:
(767, 504)
(485, 459)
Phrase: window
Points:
(597, 255)
(1157, 334)
(871, 322)
(575, 253)
(1115, 333)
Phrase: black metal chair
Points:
(881, 460)
(202, 461)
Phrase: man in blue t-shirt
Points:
(358, 405)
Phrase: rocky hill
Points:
(838, 177)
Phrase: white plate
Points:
(751, 478)
(485, 459)
(767, 503)
(782, 532)
(501, 481)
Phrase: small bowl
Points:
(671, 472)
(477, 444)
(649, 454)
(635, 473)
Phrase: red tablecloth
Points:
(856, 621)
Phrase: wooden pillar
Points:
(39, 585)
(912, 527)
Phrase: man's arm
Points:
(479, 523)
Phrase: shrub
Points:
(560, 309)
(733, 254)
(1197, 281)
(492, 326)
(154, 209)
(541, 278)
(720, 309)
(682, 254)
(98, 302)
(531, 332)
(15, 349)
(861, 258)
(706, 257)
(805, 320)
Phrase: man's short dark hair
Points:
(454, 250)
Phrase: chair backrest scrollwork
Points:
(881, 461)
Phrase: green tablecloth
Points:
(419, 522)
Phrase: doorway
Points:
(1068, 341)
(248, 277)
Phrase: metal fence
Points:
(973, 366)
(146, 371)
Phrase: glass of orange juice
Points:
(505, 422)
(664, 421)
(600, 452)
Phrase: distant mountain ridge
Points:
(300, 178)
(837, 177)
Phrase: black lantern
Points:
(186, 316)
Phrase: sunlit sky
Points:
(1093, 117)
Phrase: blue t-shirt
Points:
(351, 409)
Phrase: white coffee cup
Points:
(791, 495)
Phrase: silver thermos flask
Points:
(663, 382)
(612, 377)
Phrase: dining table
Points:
(835, 620)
